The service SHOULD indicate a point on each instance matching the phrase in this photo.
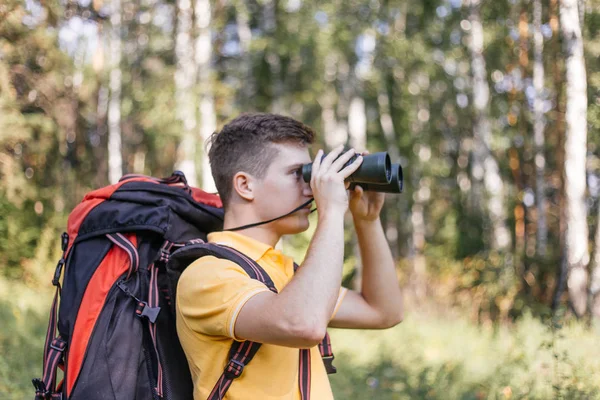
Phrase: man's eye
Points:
(298, 172)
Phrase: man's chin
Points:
(298, 228)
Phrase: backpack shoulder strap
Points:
(325, 348)
(189, 253)
(241, 353)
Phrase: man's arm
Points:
(379, 304)
(299, 314)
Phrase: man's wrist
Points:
(333, 215)
(360, 223)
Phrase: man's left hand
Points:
(365, 206)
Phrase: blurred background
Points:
(492, 108)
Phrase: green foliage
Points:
(17, 240)
(441, 358)
(21, 346)
(304, 59)
(425, 357)
(23, 317)
(309, 60)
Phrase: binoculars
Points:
(375, 174)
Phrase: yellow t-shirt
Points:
(210, 294)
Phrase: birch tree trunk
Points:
(245, 37)
(185, 79)
(357, 124)
(269, 26)
(581, 6)
(488, 185)
(344, 76)
(115, 159)
(335, 130)
(357, 128)
(422, 191)
(387, 126)
(558, 140)
(402, 213)
(576, 239)
(99, 140)
(539, 125)
(330, 125)
(389, 133)
(594, 299)
(208, 119)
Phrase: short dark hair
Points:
(244, 144)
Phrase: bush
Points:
(21, 347)
(433, 358)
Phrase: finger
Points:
(316, 166)
(342, 160)
(356, 194)
(351, 168)
(330, 158)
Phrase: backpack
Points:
(114, 334)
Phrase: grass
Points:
(442, 358)
(425, 357)
(23, 323)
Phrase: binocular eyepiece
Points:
(376, 173)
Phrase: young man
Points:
(256, 162)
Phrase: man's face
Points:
(282, 189)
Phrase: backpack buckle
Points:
(234, 369)
(180, 176)
(58, 344)
(40, 389)
(64, 241)
(329, 367)
(143, 310)
(164, 256)
(57, 272)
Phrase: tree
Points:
(539, 124)
(204, 52)
(115, 159)
(594, 299)
(185, 84)
(488, 184)
(576, 236)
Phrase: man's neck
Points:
(262, 233)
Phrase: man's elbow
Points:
(393, 319)
(312, 336)
(306, 335)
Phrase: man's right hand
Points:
(298, 315)
(327, 179)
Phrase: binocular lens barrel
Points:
(375, 169)
(395, 186)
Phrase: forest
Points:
(492, 108)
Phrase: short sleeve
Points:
(210, 294)
(338, 303)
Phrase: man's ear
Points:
(244, 185)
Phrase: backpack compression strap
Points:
(54, 349)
